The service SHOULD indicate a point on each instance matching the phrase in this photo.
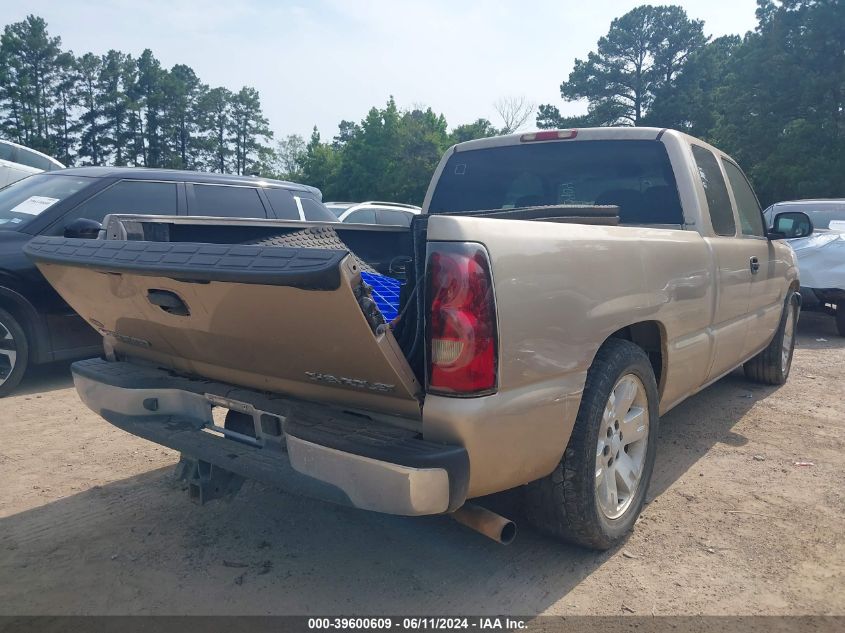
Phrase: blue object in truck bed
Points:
(385, 293)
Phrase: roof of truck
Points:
(638, 133)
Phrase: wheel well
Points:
(649, 336)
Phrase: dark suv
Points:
(36, 326)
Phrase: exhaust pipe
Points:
(488, 523)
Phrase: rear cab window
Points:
(635, 175)
(715, 191)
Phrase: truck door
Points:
(765, 299)
(729, 324)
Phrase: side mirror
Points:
(83, 228)
(790, 225)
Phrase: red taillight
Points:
(551, 135)
(462, 328)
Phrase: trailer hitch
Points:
(206, 481)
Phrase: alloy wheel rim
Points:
(8, 353)
(622, 446)
(788, 339)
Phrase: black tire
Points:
(563, 504)
(769, 367)
(840, 319)
(12, 339)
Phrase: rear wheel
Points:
(14, 353)
(772, 365)
(840, 319)
(593, 497)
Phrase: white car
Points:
(17, 162)
(821, 255)
(374, 212)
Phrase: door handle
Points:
(754, 263)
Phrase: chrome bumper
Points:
(306, 449)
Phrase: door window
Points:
(126, 196)
(361, 216)
(394, 218)
(721, 214)
(750, 217)
(316, 211)
(283, 203)
(227, 202)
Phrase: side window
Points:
(721, 214)
(126, 196)
(750, 218)
(8, 152)
(283, 203)
(227, 202)
(394, 218)
(31, 159)
(315, 211)
(361, 216)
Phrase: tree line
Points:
(773, 98)
(117, 109)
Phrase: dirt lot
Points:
(90, 522)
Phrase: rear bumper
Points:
(303, 448)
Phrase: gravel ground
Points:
(91, 523)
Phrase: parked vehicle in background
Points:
(17, 162)
(36, 325)
(821, 255)
(563, 289)
(374, 212)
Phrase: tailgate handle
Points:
(168, 301)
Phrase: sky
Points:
(318, 62)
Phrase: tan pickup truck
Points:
(560, 291)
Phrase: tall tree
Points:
(636, 61)
(289, 156)
(215, 120)
(184, 92)
(114, 104)
(423, 137)
(149, 91)
(250, 132)
(319, 167)
(781, 108)
(29, 62)
(91, 123)
(66, 109)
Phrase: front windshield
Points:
(24, 200)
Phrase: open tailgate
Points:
(279, 319)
